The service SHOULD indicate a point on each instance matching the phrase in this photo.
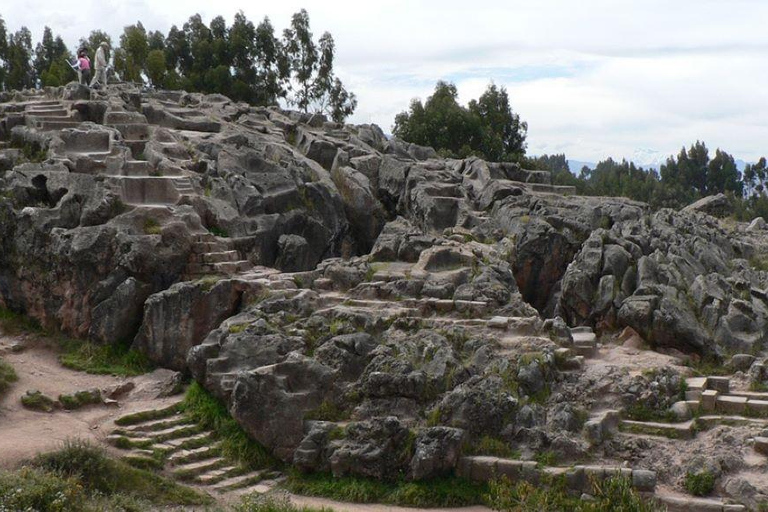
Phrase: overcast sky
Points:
(593, 78)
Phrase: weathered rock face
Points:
(676, 278)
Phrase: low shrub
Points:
(701, 483)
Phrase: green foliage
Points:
(79, 399)
(113, 359)
(641, 412)
(37, 401)
(699, 484)
(492, 446)
(31, 489)
(13, 323)
(152, 226)
(49, 63)
(487, 127)
(97, 474)
(440, 492)
(218, 232)
(614, 494)
(7, 376)
(212, 414)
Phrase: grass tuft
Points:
(699, 484)
(152, 227)
(7, 376)
(114, 359)
(13, 323)
(610, 495)
(80, 476)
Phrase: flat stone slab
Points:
(761, 445)
(721, 384)
(732, 404)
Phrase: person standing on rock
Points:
(100, 65)
(84, 65)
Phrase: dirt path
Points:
(357, 507)
(25, 433)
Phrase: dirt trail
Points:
(357, 507)
(25, 433)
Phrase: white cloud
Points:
(593, 79)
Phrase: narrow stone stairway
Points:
(186, 452)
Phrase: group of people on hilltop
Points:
(83, 66)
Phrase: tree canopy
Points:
(487, 127)
(244, 61)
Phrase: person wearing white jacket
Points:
(100, 65)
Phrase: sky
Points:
(593, 78)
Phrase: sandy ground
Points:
(25, 433)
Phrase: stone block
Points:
(512, 469)
(709, 400)
(732, 404)
(761, 445)
(757, 407)
(644, 480)
(720, 384)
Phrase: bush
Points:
(701, 483)
(37, 401)
(15, 323)
(32, 489)
(7, 376)
(98, 474)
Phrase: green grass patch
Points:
(152, 227)
(81, 477)
(613, 494)
(488, 445)
(113, 359)
(699, 484)
(546, 458)
(210, 413)
(7, 376)
(13, 323)
(439, 492)
(141, 417)
(37, 401)
(80, 399)
(218, 232)
(640, 412)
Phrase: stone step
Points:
(238, 482)
(577, 478)
(160, 424)
(232, 267)
(219, 257)
(49, 125)
(136, 168)
(675, 503)
(123, 441)
(183, 442)
(192, 469)
(203, 247)
(120, 118)
(48, 113)
(652, 428)
(146, 416)
(217, 475)
(194, 454)
(761, 445)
